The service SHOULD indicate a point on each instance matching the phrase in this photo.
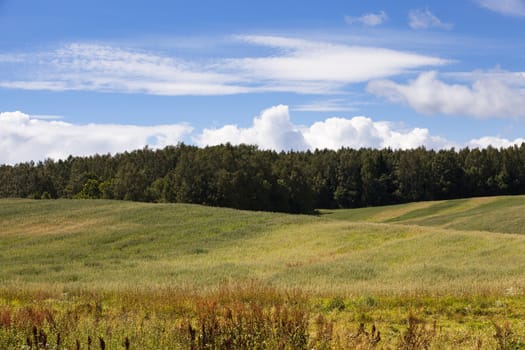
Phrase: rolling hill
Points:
(457, 246)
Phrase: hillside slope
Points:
(110, 244)
(502, 214)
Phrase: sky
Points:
(85, 77)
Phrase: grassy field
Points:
(491, 214)
(458, 263)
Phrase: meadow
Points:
(114, 274)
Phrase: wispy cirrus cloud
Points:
(337, 64)
(368, 19)
(331, 105)
(485, 95)
(505, 7)
(95, 67)
(424, 19)
(294, 65)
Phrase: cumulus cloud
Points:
(368, 19)
(297, 65)
(424, 19)
(357, 132)
(505, 7)
(496, 142)
(24, 138)
(273, 129)
(490, 95)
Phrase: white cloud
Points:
(12, 58)
(24, 137)
(309, 61)
(516, 79)
(424, 19)
(46, 117)
(332, 105)
(490, 95)
(297, 65)
(369, 19)
(505, 7)
(273, 129)
(357, 132)
(93, 67)
(495, 142)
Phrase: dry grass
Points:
(56, 227)
(255, 316)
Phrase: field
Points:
(155, 273)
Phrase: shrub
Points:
(417, 336)
(506, 338)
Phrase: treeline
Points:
(245, 177)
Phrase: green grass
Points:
(436, 248)
(82, 266)
(492, 214)
(105, 242)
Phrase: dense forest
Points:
(245, 177)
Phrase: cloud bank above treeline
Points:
(25, 137)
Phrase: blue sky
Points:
(85, 77)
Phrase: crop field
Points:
(79, 274)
